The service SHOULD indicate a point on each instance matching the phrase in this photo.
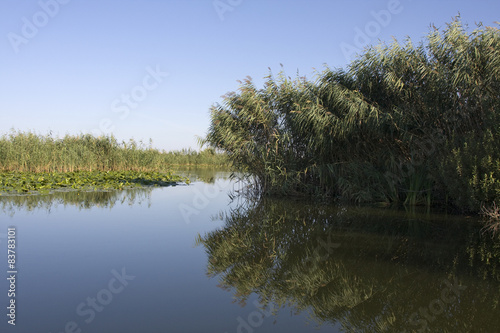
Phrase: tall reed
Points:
(31, 152)
(403, 123)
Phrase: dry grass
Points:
(492, 215)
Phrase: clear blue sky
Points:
(152, 68)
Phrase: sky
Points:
(151, 69)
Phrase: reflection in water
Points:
(83, 200)
(204, 174)
(368, 270)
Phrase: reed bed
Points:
(31, 152)
(403, 123)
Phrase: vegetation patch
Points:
(31, 152)
(26, 182)
(492, 215)
(410, 124)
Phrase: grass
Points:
(406, 124)
(31, 152)
(35, 163)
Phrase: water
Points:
(188, 259)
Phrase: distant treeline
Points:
(404, 123)
(30, 152)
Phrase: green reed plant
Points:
(31, 152)
(395, 126)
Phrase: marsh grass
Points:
(31, 152)
(403, 124)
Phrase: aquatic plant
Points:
(29, 182)
(31, 152)
(404, 123)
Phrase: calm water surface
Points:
(188, 259)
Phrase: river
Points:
(200, 258)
